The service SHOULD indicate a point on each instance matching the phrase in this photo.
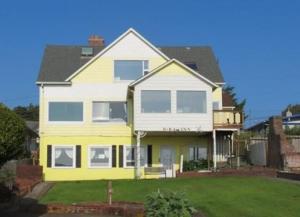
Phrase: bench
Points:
(155, 171)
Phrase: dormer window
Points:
(87, 51)
(192, 65)
(130, 69)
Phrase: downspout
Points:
(215, 150)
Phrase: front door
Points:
(167, 156)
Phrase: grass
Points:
(215, 196)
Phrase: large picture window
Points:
(65, 111)
(63, 156)
(130, 69)
(156, 101)
(110, 111)
(191, 101)
(100, 156)
(130, 156)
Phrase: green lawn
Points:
(215, 196)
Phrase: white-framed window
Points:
(197, 152)
(190, 101)
(65, 111)
(99, 156)
(130, 69)
(63, 156)
(156, 101)
(109, 111)
(130, 156)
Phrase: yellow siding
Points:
(173, 69)
(84, 173)
(217, 94)
(102, 70)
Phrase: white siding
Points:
(111, 92)
(131, 47)
(173, 120)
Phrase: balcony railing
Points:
(228, 119)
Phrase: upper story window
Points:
(216, 105)
(155, 101)
(191, 101)
(110, 111)
(65, 111)
(130, 69)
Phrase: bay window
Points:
(155, 101)
(110, 111)
(191, 101)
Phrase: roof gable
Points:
(170, 63)
(129, 33)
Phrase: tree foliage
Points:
(12, 135)
(28, 113)
(294, 131)
(239, 105)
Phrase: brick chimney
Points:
(96, 41)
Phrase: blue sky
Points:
(257, 42)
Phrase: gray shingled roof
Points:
(59, 62)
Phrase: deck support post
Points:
(214, 150)
(138, 155)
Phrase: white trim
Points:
(130, 30)
(168, 63)
(99, 146)
(53, 82)
(145, 147)
(53, 156)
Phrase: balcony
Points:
(228, 119)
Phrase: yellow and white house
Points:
(131, 109)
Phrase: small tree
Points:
(12, 135)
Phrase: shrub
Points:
(12, 135)
(168, 204)
(193, 165)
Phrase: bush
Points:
(168, 204)
(12, 135)
(193, 165)
(294, 131)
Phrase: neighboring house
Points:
(31, 135)
(119, 111)
(289, 121)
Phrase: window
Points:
(63, 156)
(130, 156)
(130, 69)
(197, 153)
(192, 65)
(156, 101)
(191, 102)
(100, 156)
(65, 111)
(110, 111)
(216, 105)
(87, 51)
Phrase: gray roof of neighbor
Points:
(59, 61)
